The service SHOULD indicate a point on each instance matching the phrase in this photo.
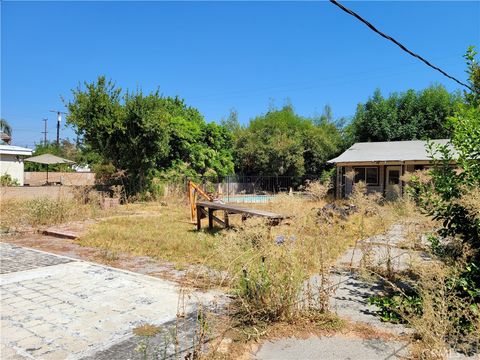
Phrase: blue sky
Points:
(223, 55)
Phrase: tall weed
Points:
(16, 214)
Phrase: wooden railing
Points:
(194, 192)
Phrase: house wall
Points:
(370, 188)
(12, 165)
(409, 168)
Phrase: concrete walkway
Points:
(54, 307)
(331, 348)
(350, 302)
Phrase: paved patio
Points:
(53, 307)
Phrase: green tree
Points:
(283, 143)
(473, 70)
(452, 197)
(231, 123)
(326, 117)
(147, 136)
(404, 116)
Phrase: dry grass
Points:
(165, 232)
(267, 267)
(161, 232)
(17, 214)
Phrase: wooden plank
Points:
(199, 217)
(225, 218)
(59, 233)
(210, 218)
(234, 209)
(218, 220)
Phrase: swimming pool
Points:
(247, 198)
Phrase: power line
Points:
(59, 120)
(401, 46)
(45, 132)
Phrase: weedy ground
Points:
(266, 266)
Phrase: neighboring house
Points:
(11, 161)
(81, 168)
(380, 165)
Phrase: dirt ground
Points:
(33, 238)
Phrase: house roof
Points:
(15, 150)
(388, 151)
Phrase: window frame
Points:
(365, 179)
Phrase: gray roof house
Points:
(381, 164)
(11, 161)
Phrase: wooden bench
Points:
(208, 208)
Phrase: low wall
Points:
(65, 178)
(35, 192)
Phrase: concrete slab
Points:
(331, 348)
(378, 256)
(382, 251)
(15, 258)
(75, 309)
(350, 301)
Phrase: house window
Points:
(393, 177)
(369, 175)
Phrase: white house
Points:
(11, 161)
(380, 165)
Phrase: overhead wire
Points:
(400, 45)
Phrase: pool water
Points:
(247, 198)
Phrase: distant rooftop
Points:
(15, 150)
(388, 151)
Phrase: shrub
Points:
(7, 180)
(448, 288)
(317, 190)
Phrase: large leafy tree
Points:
(404, 116)
(146, 135)
(284, 143)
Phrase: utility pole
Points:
(59, 120)
(45, 132)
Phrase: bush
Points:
(448, 287)
(317, 190)
(7, 180)
(46, 211)
(274, 274)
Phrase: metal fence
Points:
(257, 189)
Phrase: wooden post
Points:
(338, 182)
(225, 218)
(199, 217)
(210, 218)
